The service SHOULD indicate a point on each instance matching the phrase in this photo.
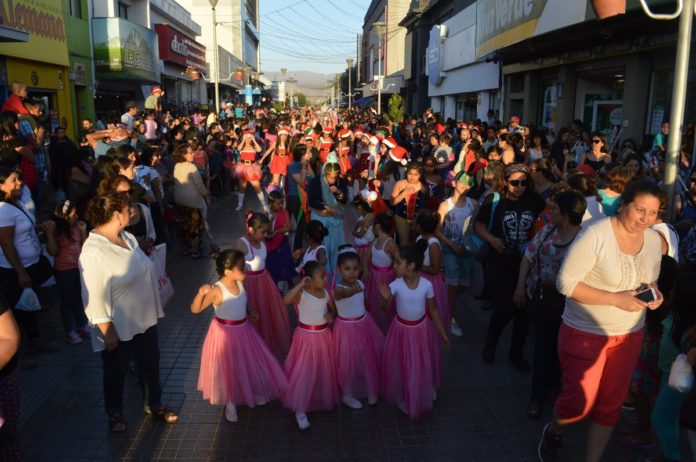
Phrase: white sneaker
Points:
(73, 338)
(231, 413)
(351, 402)
(240, 201)
(372, 400)
(455, 329)
(302, 421)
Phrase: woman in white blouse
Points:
(122, 303)
(602, 331)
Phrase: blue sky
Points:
(310, 35)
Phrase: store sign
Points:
(43, 20)
(436, 54)
(125, 51)
(79, 74)
(500, 23)
(178, 48)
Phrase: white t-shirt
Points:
(353, 306)
(25, 239)
(410, 303)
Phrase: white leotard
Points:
(380, 258)
(431, 240)
(311, 310)
(255, 258)
(233, 307)
(353, 306)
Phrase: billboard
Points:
(125, 51)
(177, 48)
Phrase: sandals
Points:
(117, 423)
(165, 415)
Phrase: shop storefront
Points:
(182, 57)
(41, 62)
(127, 63)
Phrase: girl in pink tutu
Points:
(427, 222)
(237, 368)
(358, 342)
(247, 170)
(411, 361)
(310, 365)
(315, 250)
(378, 269)
(264, 296)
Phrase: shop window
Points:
(122, 11)
(76, 8)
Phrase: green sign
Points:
(125, 51)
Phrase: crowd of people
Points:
(370, 230)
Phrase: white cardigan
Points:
(595, 259)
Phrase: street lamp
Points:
(379, 27)
(349, 62)
(216, 76)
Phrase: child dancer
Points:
(427, 222)
(358, 342)
(310, 365)
(274, 321)
(237, 367)
(315, 250)
(64, 242)
(411, 360)
(279, 260)
(362, 233)
(378, 268)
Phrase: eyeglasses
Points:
(519, 183)
(595, 141)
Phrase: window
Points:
(250, 8)
(122, 11)
(76, 8)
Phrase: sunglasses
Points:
(596, 141)
(517, 183)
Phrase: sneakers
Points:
(455, 329)
(302, 421)
(84, 332)
(73, 337)
(240, 201)
(231, 413)
(549, 444)
(351, 402)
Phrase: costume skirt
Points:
(248, 172)
(358, 346)
(373, 299)
(274, 320)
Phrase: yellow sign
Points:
(43, 20)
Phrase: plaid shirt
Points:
(27, 133)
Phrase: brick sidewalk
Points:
(479, 416)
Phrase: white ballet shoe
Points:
(455, 330)
(351, 402)
(260, 400)
(240, 201)
(231, 413)
(302, 421)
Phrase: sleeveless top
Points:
(325, 145)
(353, 306)
(431, 240)
(380, 258)
(248, 155)
(610, 204)
(255, 258)
(367, 238)
(595, 164)
(453, 223)
(233, 307)
(310, 255)
(311, 310)
(409, 206)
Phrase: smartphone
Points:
(647, 295)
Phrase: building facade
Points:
(80, 74)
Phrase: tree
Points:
(396, 108)
(301, 98)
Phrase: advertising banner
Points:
(43, 20)
(125, 51)
(177, 48)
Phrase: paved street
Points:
(479, 416)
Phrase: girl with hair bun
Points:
(279, 260)
(378, 268)
(274, 321)
(315, 250)
(411, 369)
(237, 367)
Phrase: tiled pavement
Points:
(479, 415)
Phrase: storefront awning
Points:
(366, 101)
(8, 34)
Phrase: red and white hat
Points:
(248, 133)
(390, 142)
(283, 131)
(360, 131)
(156, 89)
(344, 133)
(374, 140)
(328, 129)
(399, 154)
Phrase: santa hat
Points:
(344, 133)
(308, 131)
(156, 89)
(515, 119)
(374, 140)
(327, 129)
(398, 154)
(390, 142)
(248, 133)
(360, 131)
(283, 131)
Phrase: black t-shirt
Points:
(513, 221)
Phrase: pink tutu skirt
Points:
(358, 346)
(248, 172)
(274, 320)
(311, 371)
(373, 299)
(441, 298)
(362, 251)
(237, 366)
(411, 365)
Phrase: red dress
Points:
(280, 161)
(344, 161)
(325, 149)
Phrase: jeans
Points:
(145, 346)
(665, 418)
(500, 272)
(72, 311)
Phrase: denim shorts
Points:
(458, 270)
